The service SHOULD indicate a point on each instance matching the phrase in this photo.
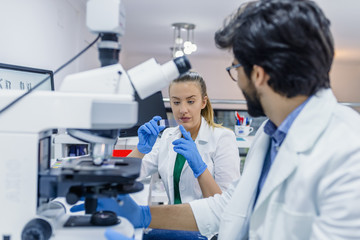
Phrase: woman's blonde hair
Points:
(207, 112)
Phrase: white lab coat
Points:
(218, 149)
(312, 190)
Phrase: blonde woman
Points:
(196, 159)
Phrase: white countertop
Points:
(244, 142)
(131, 142)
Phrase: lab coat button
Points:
(182, 187)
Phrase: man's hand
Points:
(123, 206)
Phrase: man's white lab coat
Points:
(312, 190)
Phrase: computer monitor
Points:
(24, 78)
(147, 109)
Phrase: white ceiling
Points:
(148, 23)
(149, 32)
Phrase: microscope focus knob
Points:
(37, 229)
(74, 194)
(72, 198)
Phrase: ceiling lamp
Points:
(183, 43)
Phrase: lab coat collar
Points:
(287, 159)
(203, 134)
(242, 201)
(202, 138)
(174, 133)
(312, 121)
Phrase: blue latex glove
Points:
(139, 216)
(113, 235)
(187, 147)
(147, 134)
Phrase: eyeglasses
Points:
(232, 71)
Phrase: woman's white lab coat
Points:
(218, 149)
(312, 190)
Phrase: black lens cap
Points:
(182, 63)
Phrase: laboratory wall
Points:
(45, 34)
(219, 85)
(345, 80)
(344, 77)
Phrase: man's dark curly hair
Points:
(290, 39)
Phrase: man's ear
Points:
(259, 76)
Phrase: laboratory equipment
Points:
(13, 77)
(147, 109)
(27, 180)
(93, 106)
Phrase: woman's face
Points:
(186, 104)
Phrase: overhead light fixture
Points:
(183, 44)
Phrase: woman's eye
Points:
(191, 102)
(176, 103)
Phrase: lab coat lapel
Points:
(201, 139)
(249, 180)
(301, 137)
(171, 162)
(238, 212)
(285, 163)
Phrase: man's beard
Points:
(254, 106)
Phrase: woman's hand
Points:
(187, 147)
(147, 134)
